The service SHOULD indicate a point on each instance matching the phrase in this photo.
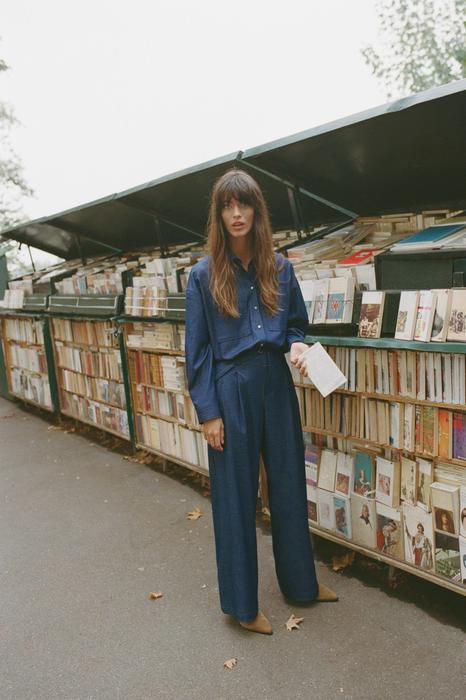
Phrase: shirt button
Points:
(255, 307)
(258, 325)
(252, 286)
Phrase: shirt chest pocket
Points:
(227, 328)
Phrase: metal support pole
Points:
(302, 190)
(31, 258)
(295, 212)
(134, 203)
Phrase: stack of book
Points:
(154, 336)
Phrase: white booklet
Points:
(322, 370)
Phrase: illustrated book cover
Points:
(418, 537)
(389, 531)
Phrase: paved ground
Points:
(86, 535)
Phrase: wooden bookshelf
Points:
(347, 441)
(90, 373)
(27, 359)
(173, 433)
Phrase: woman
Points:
(244, 310)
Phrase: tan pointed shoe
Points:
(326, 594)
(259, 624)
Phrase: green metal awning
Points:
(404, 156)
(407, 155)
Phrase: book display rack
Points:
(28, 359)
(379, 449)
(164, 417)
(90, 373)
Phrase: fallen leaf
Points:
(293, 622)
(195, 514)
(155, 595)
(343, 561)
(231, 663)
(54, 427)
(9, 415)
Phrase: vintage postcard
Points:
(418, 537)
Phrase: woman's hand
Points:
(296, 351)
(213, 431)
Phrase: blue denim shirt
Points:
(212, 338)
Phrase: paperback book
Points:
(418, 537)
(407, 313)
(371, 315)
(363, 521)
(389, 531)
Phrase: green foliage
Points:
(13, 186)
(423, 44)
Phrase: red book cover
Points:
(358, 258)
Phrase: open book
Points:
(322, 370)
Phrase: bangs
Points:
(237, 185)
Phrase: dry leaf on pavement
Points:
(343, 561)
(231, 663)
(155, 595)
(293, 622)
(195, 514)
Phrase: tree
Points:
(423, 44)
(13, 186)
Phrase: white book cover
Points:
(365, 278)
(307, 290)
(371, 315)
(418, 537)
(442, 315)
(325, 509)
(425, 472)
(342, 516)
(340, 300)
(344, 480)
(327, 470)
(320, 301)
(387, 482)
(425, 315)
(463, 511)
(363, 521)
(457, 324)
(390, 540)
(445, 506)
(407, 312)
(463, 559)
(322, 370)
(408, 480)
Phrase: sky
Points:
(114, 94)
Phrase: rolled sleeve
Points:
(199, 355)
(297, 313)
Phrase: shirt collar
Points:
(237, 260)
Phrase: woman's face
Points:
(238, 218)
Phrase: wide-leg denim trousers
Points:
(260, 411)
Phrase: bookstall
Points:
(385, 455)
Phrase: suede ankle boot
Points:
(326, 594)
(259, 624)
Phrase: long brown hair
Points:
(240, 185)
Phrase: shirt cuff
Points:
(207, 414)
